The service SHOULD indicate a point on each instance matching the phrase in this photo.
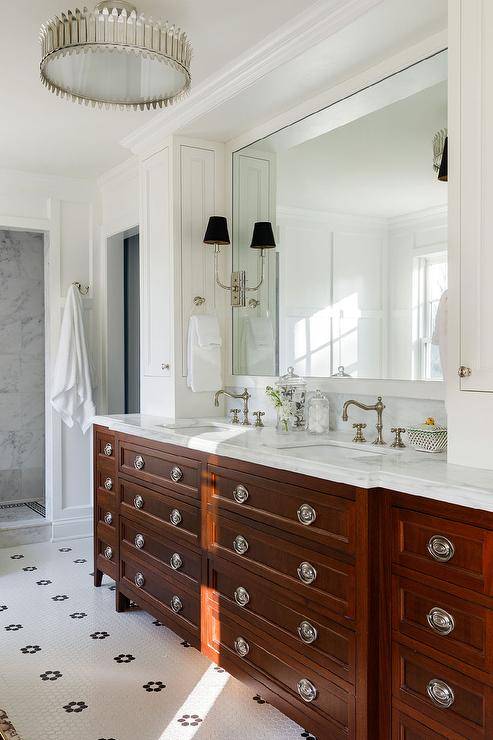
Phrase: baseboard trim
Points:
(72, 529)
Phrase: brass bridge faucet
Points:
(378, 407)
(245, 397)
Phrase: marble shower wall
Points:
(402, 412)
(22, 363)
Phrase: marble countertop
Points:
(405, 471)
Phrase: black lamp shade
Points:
(443, 171)
(217, 231)
(263, 236)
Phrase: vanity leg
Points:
(122, 602)
(98, 577)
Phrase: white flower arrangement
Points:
(283, 406)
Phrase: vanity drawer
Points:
(415, 679)
(161, 512)
(177, 561)
(263, 660)
(105, 448)
(407, 728)
(105, 484)
(450, 551)
(446, 623)
(107, 552)
(166, 595)
(332, 583)
(149, 465)
(325, 519)
(297, 626)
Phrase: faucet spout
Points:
(378, 407)
(245, 397)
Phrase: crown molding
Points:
(128, 168)
(301, 33)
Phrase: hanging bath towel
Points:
(204, 354)
(72, 385)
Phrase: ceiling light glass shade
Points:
(113, 57)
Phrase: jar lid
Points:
(291, 379)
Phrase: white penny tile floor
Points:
(71, 668)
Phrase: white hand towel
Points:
(258, 346)
(72, 385)
(261, 330)
(204, 354)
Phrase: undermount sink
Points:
(296, 443)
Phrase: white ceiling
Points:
(41, 133)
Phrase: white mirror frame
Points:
(429, 389)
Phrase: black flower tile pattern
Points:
(16, 557)
(78, 615)
(190, 720)
(257, 698)
(30, 568)
(111, 588)
(65, 549)
(43, 582)
(157, 623)
(13, 627)
(3, 607)
(30, 649)
(80, 560)
(154, 686)
(124, 658)
(218, 669)
(60, 597)
(75, 706)
(308, 735)
(185, 644)
(99, 635)
(50, 675)
(106, 738)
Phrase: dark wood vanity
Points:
(359, 613)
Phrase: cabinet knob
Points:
(165, 366)
(240, 494)
(175, 517)
(139, 462)
(176, 604)
(440, 693)
(175, 561)
(108, 449)
(138, 501)
(242, 647)
(176, 474)
(242, 597)
(441, 548)
(240, 544)
(139, 580)
(108, 553)
(306, 514)
(108, 484)
(307, 573)
(440, 621)
(139, 541)
(307, 632)
(464, 372)
(307, 690)
(108, 518)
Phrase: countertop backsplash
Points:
(401, 412)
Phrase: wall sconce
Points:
(218, 235)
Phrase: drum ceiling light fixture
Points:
(113, 57)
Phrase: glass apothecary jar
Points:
(318, 414)
(292, 390)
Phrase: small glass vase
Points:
(283, 423)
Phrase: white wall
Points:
(66, 211)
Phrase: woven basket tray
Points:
(433, 439)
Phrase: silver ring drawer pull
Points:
(108, 484)
(108, 553)
(242, 647)
(441, 548)
(240, 494)
(175, 517)
(139, 541)
(242, 597)
(108, 518)
(108, 449)
(175, 561)
(306, 514)
(307, 632)
(240, 544)
(176, 474)
(307, 690)
(139, 462)
(307, 573)
(440, 693)
(176, 604)
(139, 580)
(138, 502)
(440, 621)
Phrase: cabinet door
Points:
(474, 22)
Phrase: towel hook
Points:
(83, 289)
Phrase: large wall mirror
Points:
(357, 283)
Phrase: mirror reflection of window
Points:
(361, 229)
